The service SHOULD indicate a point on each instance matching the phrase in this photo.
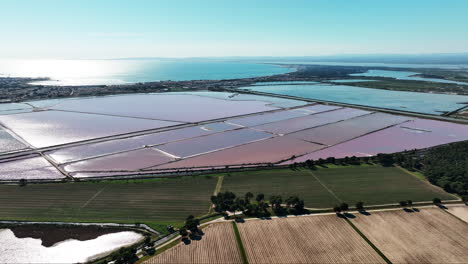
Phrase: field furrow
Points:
(309, 239)
(427, 236)
(218, 245)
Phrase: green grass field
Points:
(378, 185)
(284, 182)
(169, 201)
(326, 187)
(144, 201)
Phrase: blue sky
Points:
(193, 28)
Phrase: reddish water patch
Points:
(108, 147)
(348, 129)
(214, 142)
(394, 139)
(177, 107)
(127, 161)
(301, 123)
(439, 127)
(265, 151)
(261, 119)
(49, 128)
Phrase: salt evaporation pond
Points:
(300, 123)
(30, 250)
(170, 106)
(132, 143)
(403, 75)
(9, 143)
(398, 100)
(48, 128)
(29, 167)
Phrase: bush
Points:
(337, 209)
(360, 206)
(344, 207)
(151, 251)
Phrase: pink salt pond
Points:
(50, 128)
(261, 119)
(210, 143)
(131, 143)
(301, 123)
(127, 161)
(173, 107)
(332, 134)
(261, 152)
(394, 139)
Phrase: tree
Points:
(192, 224)
(23, 182)
(151, 251)
(126, 256)
(331, 160)
(147, 240)
(276, 204)
(240, 204)
(337, 209)
(360, 206)
(295, 205)
(410, 203)
(436, 201)
(276, 201)
(385, 159)
(403, 203)
(248, 197)
(344, 207)
(183, 232)
(260, 197)
(310, 163)
(224, 201)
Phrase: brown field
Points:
(309, 239)
(459, 211)
(427, 236)
(218, 245)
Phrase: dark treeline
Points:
(445, 166)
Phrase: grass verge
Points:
(368, 241)
(239, 243)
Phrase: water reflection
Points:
(30, 250)
(92, 72)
